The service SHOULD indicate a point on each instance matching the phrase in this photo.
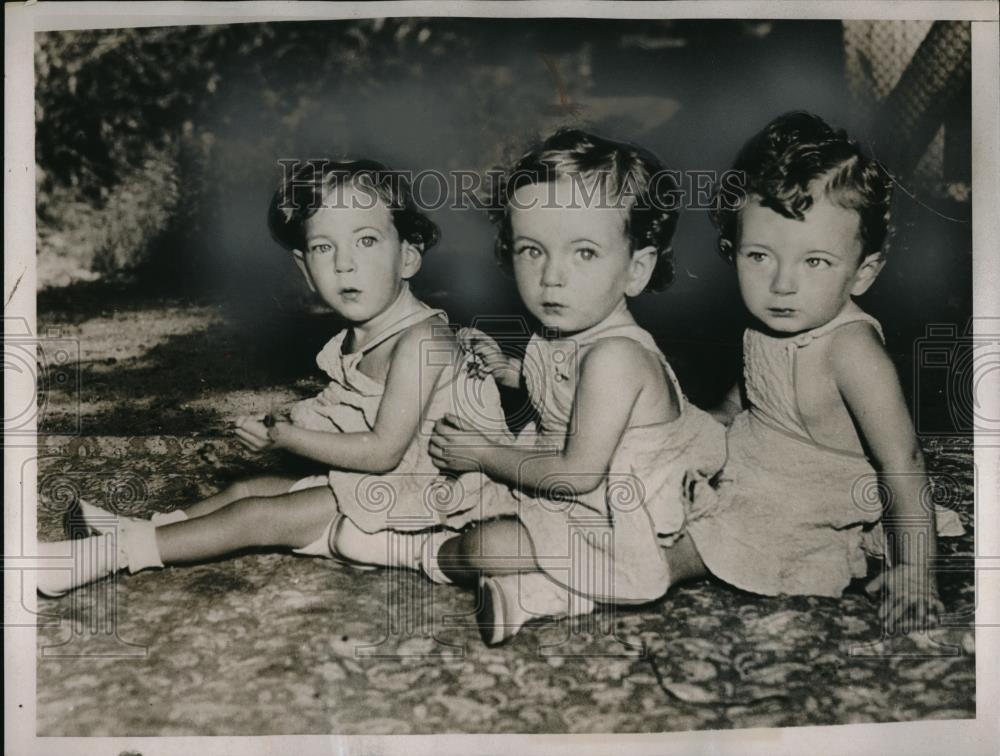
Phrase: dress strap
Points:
(406, 311)
(856, 315)
(852, 316)
(401, 325)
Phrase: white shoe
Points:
(83, 519)
(119, 543)
(507, 602)
(495, 612)
(77, 562)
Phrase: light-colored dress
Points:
(609, 544)
(790, 515)
(415, 495)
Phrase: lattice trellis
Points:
(909, 73)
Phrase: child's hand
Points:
(488, 358)
(454, 444)
(909, 597)
(254, 432)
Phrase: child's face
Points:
(354, 258)
(573, 264)
(796, 275)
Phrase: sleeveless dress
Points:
(790, 515)
(608, 544)
(415, 495)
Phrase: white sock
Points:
(136, 539)
(138, 545)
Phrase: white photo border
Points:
(981, 735)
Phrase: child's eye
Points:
(587, 253)
(367, 241)
(755, 256)
(817, 262)
(321, 247)
(529, 250)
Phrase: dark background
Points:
(157, 153)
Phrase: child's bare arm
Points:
(490, 359)
(599, 419)
(868, 382)
(409, 386)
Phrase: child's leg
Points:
(291, 519)
(496, 547)
(286, 520)
(101, 521)
(264, 485)
(343, 541)
(512, 590)
(498, 556)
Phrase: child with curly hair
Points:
(585, 223)
(825, 419)
(355, 233)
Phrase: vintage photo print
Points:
(385, 376)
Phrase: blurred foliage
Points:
(105, 97)
(128, 120)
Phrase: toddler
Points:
(585, 223)
(354, 232)
(825, 418)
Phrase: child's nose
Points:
(784, 281)
(343, 260)
(553, 273)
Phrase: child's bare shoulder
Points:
(856, 348)
(622, 357)
(430, 334)
(857, 337)
(615, 347)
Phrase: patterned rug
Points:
(276, 644)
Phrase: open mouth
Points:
(350, 294)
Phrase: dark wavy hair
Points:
(622, 170)
(795, 158)
(307, 186)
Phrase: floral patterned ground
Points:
(274, 644)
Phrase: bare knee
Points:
(240, 489)
(259, 517)
(497, 547)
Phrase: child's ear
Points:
(640, 270)
(412, 260)
(300, 260)
(867, 272)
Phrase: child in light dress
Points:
(585, 224)
(825, 428)
(354, 232)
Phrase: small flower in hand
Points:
(454, 444)
(254, 432)
(488, 359)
